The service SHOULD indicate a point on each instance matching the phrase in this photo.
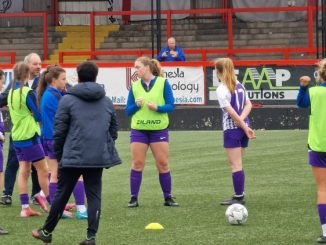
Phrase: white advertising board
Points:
(187, 83)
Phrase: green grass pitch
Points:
(280, 195)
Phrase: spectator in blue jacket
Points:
(171, 52)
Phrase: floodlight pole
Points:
(152, 27)
(158, 26)
(317, 28)
(323, 26)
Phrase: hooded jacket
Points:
(85, 128)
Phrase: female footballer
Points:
(236, 107)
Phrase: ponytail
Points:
(154, 65)
(42, 84)
(156, 68)
(51, 72)
(21, 75)
(322, 70)
(225, 71)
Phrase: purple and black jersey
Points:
(236, 100)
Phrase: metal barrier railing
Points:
(202, 52)
(230, 50)
(11, 55)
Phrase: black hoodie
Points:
(85, 128)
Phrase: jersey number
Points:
(240, 98)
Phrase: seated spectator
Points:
(171, 52)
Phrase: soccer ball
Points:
(236, 214)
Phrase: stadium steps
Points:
(191, 37)
(77, 38)
(24, 40)
(189, 33)
(211, 33)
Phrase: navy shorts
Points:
(149, 136)
(317, 159)
(234, 138)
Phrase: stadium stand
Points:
(190, 34)
(24, 40)
(68, 43)
(195, 32)
(137, 36)
(211, 33)
(287, 42)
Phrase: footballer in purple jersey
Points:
(236, 107)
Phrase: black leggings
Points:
(67, 179)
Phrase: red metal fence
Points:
(229, 12)
(226, 13)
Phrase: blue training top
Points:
(132, 108)
(303, 99)
(48, 106)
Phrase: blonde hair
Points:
(21, 75)
(154, 65)
(28, 57)
(322, 70)
(225, 71)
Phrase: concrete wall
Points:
(211, 119)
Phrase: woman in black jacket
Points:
(84, 135)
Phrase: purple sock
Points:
(166, 182)
(52, 191)
(79, 193)
(322, 213)
(135, 182)
(238, 182)
(24, 200)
